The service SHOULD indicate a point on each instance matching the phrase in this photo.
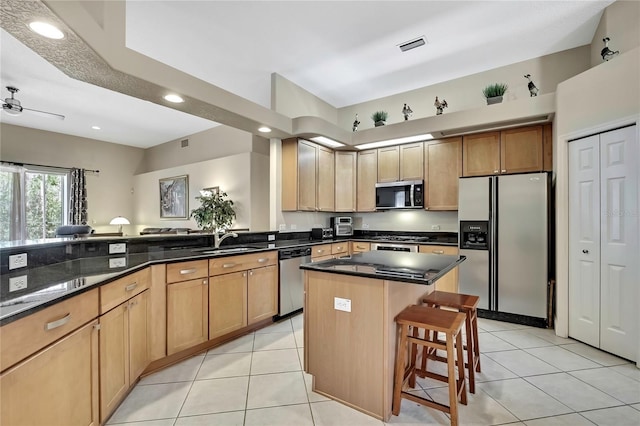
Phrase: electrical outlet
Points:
(340, 304)
(118, 262)
(17, 261)
(435, 227)
(294, 226)
(283, 227)
(271, 237)
(365, 226)
(17, 283)
(117, 248)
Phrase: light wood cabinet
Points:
(262, 294)
(227, 303)
(187, 314)
(120, 290)
(340, 249)
(516, 150)
(359, 247)
(320, 251)
(345, 183)
(56, 386)
(367, 172)
(400, 162)
(308, 176)
(124, 352)
(442, 169)
(450, 281)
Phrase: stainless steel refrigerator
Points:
(504, 232)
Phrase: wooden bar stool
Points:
(468, 305)
(437, 321)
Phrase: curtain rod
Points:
(43, 165)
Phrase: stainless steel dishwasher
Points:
(292, 278)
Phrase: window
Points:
(33, 202)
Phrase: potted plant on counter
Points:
(379, 118)
(494, 92)
(216, 212)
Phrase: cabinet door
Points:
(114, 359)
(443, 167)
(138, 335)
(521, 150)
(326, 180)
(389, 164)
(345, 182)
(359, 247)
(187, 314)
(262, 294)
(289, 174)
(367, 178)
(57, 386)
(411, 161)
(227, 303)
(307, 183)
(450, 281)
(481, 154)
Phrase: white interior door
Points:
(619, 279)
(584, 240)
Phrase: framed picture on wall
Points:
(211, 189)
(174, 197)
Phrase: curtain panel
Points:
(78, 198)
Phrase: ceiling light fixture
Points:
(326, 141)
(95, 127)
(174, 98)
(264, 129)
(607, 53)
(412, 44)
(397, 141)
(46, 30)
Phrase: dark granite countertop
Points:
(417, 268)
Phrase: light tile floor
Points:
(529, 377)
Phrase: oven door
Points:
(412, 248)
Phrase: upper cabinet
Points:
(308, 176)
(345, 187)
(509, 151)
(366, 180)
(442, 168)
(400, 162)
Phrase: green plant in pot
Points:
(379, 118)
(216, 212)
(494, 92)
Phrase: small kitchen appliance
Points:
(342, 226)
(400, 195)
(321, 233)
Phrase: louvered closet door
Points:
(584, 240)
(619, 279)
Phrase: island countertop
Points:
(415, 268)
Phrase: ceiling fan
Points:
(13, 106)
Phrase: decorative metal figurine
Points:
(406, 111)
(440, 106)
(356, 123)
(533, 90)
(607, 53)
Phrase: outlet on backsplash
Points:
(435, 227)
(365, 226)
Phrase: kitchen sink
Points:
(225, 250)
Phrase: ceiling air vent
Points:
(184, 143)
(412, 44)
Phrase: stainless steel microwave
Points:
(400, 195)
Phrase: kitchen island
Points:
(350, 333)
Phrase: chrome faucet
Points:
(217, 239)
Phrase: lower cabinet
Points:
(124, 350)
(262, 294)
(450, 281)
(187, 314)
(56, 386)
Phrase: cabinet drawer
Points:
(26, 336)
(116, 292)
(225, 265)
(340, 248)
(184, 271)
(320, 250)
(357, 246)
(448, 250)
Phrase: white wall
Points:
(600, 99)
(619, 22)
(109, 193)
(232, 174)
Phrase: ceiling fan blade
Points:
(49, 114)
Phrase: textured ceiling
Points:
(344, 52)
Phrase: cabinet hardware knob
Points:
(250, 272)
(96, 327)
(228, 265)
(58, 323)
(132, 304)
(262, 260)
(131, 287)
(504, 171)
(438, 251)
(320, 250)
(204, 282)
(495, 171)
(585, 251)
(244, 274)
(187, 271)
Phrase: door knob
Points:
(585, 251)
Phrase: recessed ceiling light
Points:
(95, 127)
(174, 98)
(398, 141)
(46, 30)
(326, 141)
(264, 129)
